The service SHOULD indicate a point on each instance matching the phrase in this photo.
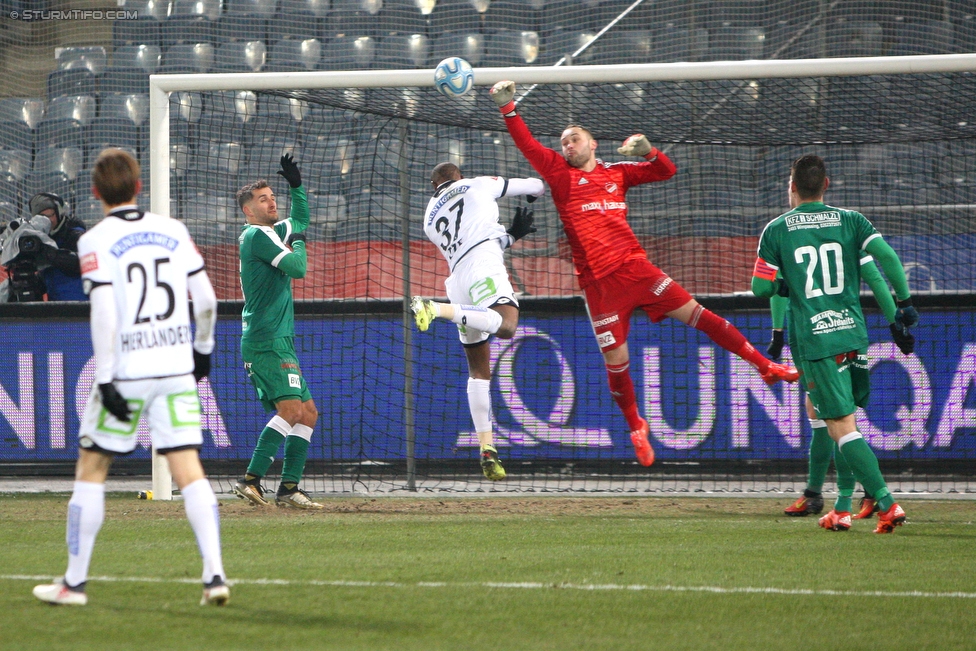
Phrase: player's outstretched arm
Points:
(298, 213)
(503, 94)
(521, 224)
(531, 189)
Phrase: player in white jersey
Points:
(139, 269)
(462, 220)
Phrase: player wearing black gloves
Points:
(462, 221)
(272, 251)
(141, 369)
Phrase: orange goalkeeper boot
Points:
(836, 521)
(888, 520)
(642, 447)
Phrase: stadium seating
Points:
(402, 17)
(156, 9)
(454, 16)
(922, 37)
(624, 46)
(26, 110)
(298, 26)
(133, 107)
(349, 52)
(566, 14)
(263, 157)
(265, 8)
(511, 15)
(469, 45)
(794, 40)
(124, 80)
(240, 56)
(560, 43)
(209, 9)
(188, 58)
(178, 30)
(68, 161)
(267, 128)
(241, 27)
(8, 209)
(858, 38)
(143, 57)
(676, 43)
(295, 55)
(16, 135)
(329, 164)
(81, 108)
(14, 163)
(74, 81)
(735, 43)
(276, 106)
(403, 51)
(145, 31)
(89, 57)
(507, 47)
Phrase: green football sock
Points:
(296, 450)
(265, 451)
(864, 463)
(821, 449)
(845, 482)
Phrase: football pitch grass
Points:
(499, 573)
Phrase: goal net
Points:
(899, 138)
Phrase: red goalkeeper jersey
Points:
(592, 205)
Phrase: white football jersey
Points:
(463, 214)
(146, 258)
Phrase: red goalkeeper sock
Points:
(622, 390)
(727, 336)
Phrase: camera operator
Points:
(42, 258)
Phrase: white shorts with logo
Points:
(480, 279)
(170, 405)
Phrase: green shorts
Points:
(837, 385)
(273, 369)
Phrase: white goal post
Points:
(161, 86)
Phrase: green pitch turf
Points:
(555, 573)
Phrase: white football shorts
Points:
(170, 406)
(480, 279)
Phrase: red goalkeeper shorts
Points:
(637, 284)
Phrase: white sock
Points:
(479, 318)
(479, 402)
(201, 510)
(86, 512)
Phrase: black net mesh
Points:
(900, 148)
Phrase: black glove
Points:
(289, 170)
(775, 347)
(906, 314)
(201, 365)
(295, 237)
(522, 224)
(783, 289)
(531, 198)
(904, 339)
(114, 402)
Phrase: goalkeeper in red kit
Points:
(612, 268)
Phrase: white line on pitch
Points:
(593, 587)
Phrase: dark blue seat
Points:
(240, 56)
(676, 43)
(263, 8)
(27, 110)
(59, 133)
(266, 128)
(509, 47)
(188, 58)
(124, 80)
(454, 16)
(349, 52)
(68, 161)
(113, 131)
(296, 26)
(145, 31)
(401, 18)
(624, 46)
(16, 135)
(854, 38)
(511, 15)
(177, 30)
(736, 43)
(560, 43)
(469, 45)
(76, 81)
(403, 51)
(89, 57)
(144, 57)
(240, 27)
(922, 37)
(294, 55)
(14, 163)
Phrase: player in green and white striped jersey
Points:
(272, 254)
(817, 249)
